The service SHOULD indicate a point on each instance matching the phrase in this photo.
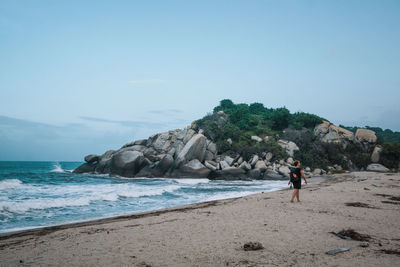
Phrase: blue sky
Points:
(80, 77)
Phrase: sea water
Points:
(37, 194)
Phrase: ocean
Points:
(37, 194)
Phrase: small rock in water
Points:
(336, 251)
(252, 246)
(364, 244)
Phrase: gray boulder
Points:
(84, 168)
(92, 158)
(127, 163)
(233, 172)
(284, 170)
(164, 165)
(273, 175)
(375, 167)
(376, 154)
(224, 164)
(256, 138)
(245, 166)
(255, 173)
(194, 169)
(228, 160)
(268, 156)
(211, 166)
(260, 165)
(289, 146)
(194, 149)
(212, 147)
(254, 160)
(317, 171)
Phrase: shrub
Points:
(390, 155)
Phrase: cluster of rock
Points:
(188, 153)
(364, 138)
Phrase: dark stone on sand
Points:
(252, 246)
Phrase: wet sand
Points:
(214, 233)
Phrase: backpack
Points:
(294, 176)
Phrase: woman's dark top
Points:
(297, 185)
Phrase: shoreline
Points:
(97, 221)
(213, 233)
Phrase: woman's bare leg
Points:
(294, 194)
(298, 195)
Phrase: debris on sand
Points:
(351, 234)
(360, 205)
(364, 244)
(252, 246)
(336, 251)
(391, 202)
(391, 251)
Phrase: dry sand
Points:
(213, 233)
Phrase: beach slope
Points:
(214, 233)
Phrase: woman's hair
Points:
(295, 163)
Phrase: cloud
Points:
(127, 123)
(149, 81)
(166, 111)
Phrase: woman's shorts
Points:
(297, 185)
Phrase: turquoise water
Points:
(35, 194)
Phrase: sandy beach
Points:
(214, 233)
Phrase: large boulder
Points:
(254, 160)
(211, 165)
(256, 138)
(330, 133)
(104, 163)
(92, 158)
(224, 164)
(255, 173)
(245, 166)
(233, 171)
(284, 170)
(212, 147)
(375, 156)
(375, 167)
(273, 175)
(260, 165)
(195, 148)
(127, 163)
(365, 135)
(268, 156)
(289, 146)
(84, 168)
(164, 165)
(228, 160)
(192, 169)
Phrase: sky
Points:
(82, 77)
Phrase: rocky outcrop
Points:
(127, 163)
(289, 146)
(375, 156)
(377, 168)
(195, 148)
(365, 135)
(331, 133)
(186, 153)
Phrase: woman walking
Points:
(295, 177)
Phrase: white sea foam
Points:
(191, 181)
(9, 184)
(57, 168)
(73, 195)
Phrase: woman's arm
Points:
(302, 175)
